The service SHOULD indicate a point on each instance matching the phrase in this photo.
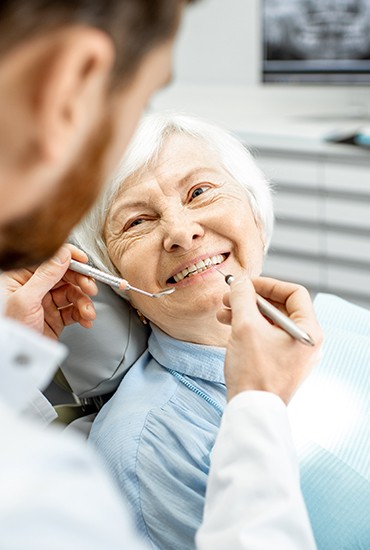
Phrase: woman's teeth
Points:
(200, 266)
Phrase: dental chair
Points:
(329, 417)
(98, 358)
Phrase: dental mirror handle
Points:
(101, 276)
(279, 318)
(114, 281)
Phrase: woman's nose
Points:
(181, 232)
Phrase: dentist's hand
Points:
(261, 356)
(50, 297)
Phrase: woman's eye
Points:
(138, 221)
(198, 191)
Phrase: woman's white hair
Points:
(144, 150)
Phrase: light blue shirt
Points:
(158, 431)
(156, 435)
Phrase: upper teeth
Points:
(200, 266)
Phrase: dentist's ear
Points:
(55, 87)
(71, 90)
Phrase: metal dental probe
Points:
(113, 281)
(276, 316)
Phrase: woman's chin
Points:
(199, 300)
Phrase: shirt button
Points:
(22, 360)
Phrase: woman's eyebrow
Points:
(124, 205)
(196, 172)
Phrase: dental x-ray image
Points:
(327, 35)
(317, 29)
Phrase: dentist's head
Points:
(74, 78)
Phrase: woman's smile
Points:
(172, 224)
(197, 266)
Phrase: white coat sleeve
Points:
(254, 500)
(55, 493)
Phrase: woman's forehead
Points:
(175, 166)
(183, 145)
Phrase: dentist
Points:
(74, 77)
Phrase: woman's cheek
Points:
(116, 253)
(258, 262)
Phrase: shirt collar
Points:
(198, 361)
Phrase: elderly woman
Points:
(187, 200)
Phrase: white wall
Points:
(219, 43)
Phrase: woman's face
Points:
(170, 225)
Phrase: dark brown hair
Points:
(135, 26)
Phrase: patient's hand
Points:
(262, 356)
(49, 297)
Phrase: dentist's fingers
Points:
(56, 318)
(224, 316)
(26, 291)
(55, 272)
(77, 253)
(261, 356)
(244, 299)
(47, 275)
(69, 295)
(243, 304)
(86, 284)
(33, 296)
(292, 299)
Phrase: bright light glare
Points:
(324, 411)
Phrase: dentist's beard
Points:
(34, 238)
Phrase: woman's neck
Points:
(206, 330)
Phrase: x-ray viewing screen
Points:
(316, 41)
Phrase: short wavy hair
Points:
(148, 141)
